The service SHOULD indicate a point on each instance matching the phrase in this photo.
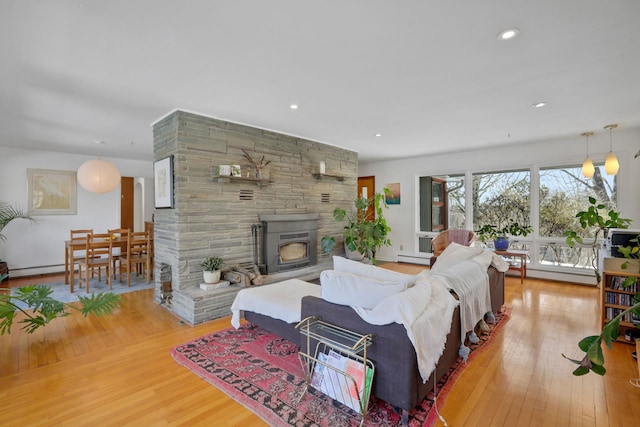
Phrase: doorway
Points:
(127, 201)
(367, 188)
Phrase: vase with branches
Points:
(257, 165)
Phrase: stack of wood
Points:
(242, 276)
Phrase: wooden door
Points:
(367, 188)
(126, 203)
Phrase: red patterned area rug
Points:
(262, 372)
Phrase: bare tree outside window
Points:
(502, 197)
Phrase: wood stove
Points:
(289, 241)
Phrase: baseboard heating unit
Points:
(422, 258)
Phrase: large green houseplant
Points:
(35, 302)
(595, 221)
(362, 233)
(8, 213)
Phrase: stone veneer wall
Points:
(214, 219)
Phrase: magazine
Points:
(331, 380)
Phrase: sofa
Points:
(397, 380)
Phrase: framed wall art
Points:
(163, 182)
(394, 198)
(51, 192)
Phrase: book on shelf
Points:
(616, 283)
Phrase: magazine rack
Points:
(335, 363)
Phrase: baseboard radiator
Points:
(36, 270)
(421, 258)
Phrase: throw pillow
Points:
(368, 270)
(454, 254)
(350, 289)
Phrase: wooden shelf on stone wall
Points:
(261, 182)
(320, 176)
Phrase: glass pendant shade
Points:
(98, 176)
(587, 168)
(611, 164)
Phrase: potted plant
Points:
(594, 220)
(500, 235)
(363, 234)
(38, 308)
(211, 269)
(593, 360)
(7, 214)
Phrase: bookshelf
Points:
(616, 299)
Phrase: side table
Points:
(517, 262)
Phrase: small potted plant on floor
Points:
(211, 269)
(500, 236)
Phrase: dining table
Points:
(79, 244)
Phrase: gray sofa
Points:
(397, 379)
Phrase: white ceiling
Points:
(430, 76)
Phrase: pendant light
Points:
(611, 164)
(587, 166)
(98, 176)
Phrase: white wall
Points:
(31, 245)
(558, 152)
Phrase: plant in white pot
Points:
(211, 269)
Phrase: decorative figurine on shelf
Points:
(258, 165)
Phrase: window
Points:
(502, 197)
(564, 191)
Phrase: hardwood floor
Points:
(117, 370)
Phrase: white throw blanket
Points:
(425, 310)
(470, 281)
(281, 300)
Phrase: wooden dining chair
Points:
(98, 255)
(119, 239)
(137, 255)
(77, 255)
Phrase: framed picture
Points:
(163, 182)
(394, 198)
(51, 192)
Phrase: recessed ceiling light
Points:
(293, 106)
(378, 134)
(508, 34)
(538, 104)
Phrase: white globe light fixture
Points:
(98, 176)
